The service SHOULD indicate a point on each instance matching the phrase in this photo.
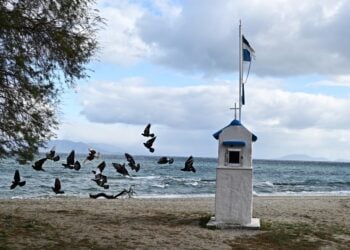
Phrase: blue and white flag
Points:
(248, 51)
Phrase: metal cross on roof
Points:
(235, 108)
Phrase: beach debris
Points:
(131, 162)
(129, 192)
(165, 160)
(146, 131)
(52, 155)
(148, 144)
(71, 163)
(120, 168)
(17, 180)
(57, 187)
(38, 165)
(100, 179)
(189, 165)
(92, 155)
(95, 196)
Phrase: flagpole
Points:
(240, 71)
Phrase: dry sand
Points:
(74, 223)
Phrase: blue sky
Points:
(174, 64)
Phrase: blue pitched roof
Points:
(233, 123)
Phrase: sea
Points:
(271, 178)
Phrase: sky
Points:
(174, 64)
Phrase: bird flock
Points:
(99, 178)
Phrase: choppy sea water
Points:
(271, 177)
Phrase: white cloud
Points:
(187, 117)
(205, 106)
(290, 37)
(199, 107)
(119, 39)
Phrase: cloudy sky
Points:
(174, 63)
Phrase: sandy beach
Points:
(82, 223)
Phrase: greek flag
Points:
(248, 51)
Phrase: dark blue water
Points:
(153, 180)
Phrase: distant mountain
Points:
(301, 157)
(65, 146)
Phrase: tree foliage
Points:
(45, 45)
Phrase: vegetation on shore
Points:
(17, 231)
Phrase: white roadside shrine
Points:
(234, 179)
(234, 173)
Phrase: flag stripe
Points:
(245, 42)
(246, 55)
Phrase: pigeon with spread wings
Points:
(120, 168)
(131, 162)
(148, 144)
(93, 154)
(38, 165)
(100, 179)
(52, 155)
(189, 165)
(146, 131)
(71, 163)
(57, 187)
(165, 160)
(17, 181)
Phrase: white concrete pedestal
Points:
(234, 199)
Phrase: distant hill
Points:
(65, 146)
(301, 157)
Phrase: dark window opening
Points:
(233, 157)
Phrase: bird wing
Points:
(40, 162)
(150, 142)
(101, 166)
(70, 158)
(57, 184)
(56, 158)
(52, 152)
(116, 165)
(129, 158)
(189, 162)
(147, 129)
(17, 178)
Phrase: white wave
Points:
(264, 183)
(306, 193)
(172, 196)
(160, 185)
(146, 177)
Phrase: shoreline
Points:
(175, 223)
(204, 196)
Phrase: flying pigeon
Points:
(92, 155)
(57, 187)
(120, 168)
(17, 180)
(100, 179)
(148, 144)
(131, 162)
(38, 165)
(189, 165)
(165, 160)
(51, 155)
(146, 131)
(71, 163)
